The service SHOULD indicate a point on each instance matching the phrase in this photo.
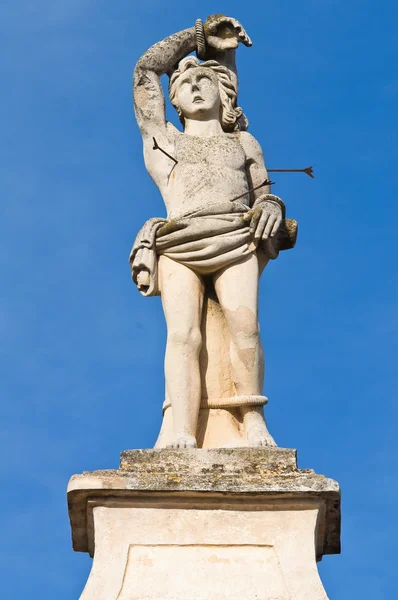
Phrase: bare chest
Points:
(222, 151)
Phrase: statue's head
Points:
(205, 90)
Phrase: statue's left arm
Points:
(271, 210)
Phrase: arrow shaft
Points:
(307, 170)
(266, 182)
(157, 147)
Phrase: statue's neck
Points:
(208, 128)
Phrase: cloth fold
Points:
(201, 241)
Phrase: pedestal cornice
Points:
(222, 478)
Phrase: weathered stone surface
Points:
(195, 463)
(223, 225)
(218, 477)
(204, 550)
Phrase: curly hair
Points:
(232, 117)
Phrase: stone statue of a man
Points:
(217, 232)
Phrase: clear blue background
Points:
(82, 351)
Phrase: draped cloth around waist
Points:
(205, 241)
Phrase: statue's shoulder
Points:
(249, 143)
(172, 130)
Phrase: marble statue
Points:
(223, 225)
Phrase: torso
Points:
(210, 172)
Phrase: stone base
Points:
(241, 524)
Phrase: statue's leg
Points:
(237, 291)
(182, 298)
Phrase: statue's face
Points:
(198, 94)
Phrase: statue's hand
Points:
(143, 280)
(224, 33)
(266, 220)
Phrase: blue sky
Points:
(82, 351)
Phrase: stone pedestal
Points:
(239, 524)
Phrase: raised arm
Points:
(149, 102)
(222, 37)
(218, 39)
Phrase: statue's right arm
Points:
(149, 102)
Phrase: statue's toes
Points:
(184, 443)
(269, 441)
(261, 441)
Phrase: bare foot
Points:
(183, 441)
(260, 436)
(256, 429)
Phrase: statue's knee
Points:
(247, 336)
(189, 337)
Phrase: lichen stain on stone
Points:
(248, 357)
(242, 315)
(173, 478)
(216, 559)
(144, 560)
(169, 226)
(141, 96)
